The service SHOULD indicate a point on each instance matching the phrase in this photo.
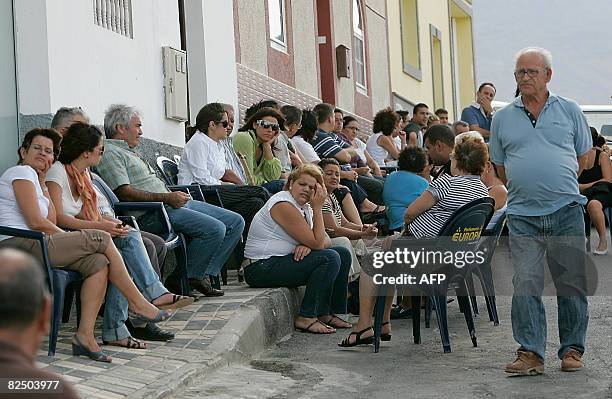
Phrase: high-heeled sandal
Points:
(383, 336)
(139, 319)
(78, 349)
(346, 342)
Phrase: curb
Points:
(256, 325)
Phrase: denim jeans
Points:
(139, 267)
(324, 273)
(274, 186)
(558, 237)
(212, 233)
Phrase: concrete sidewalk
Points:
(210, 333)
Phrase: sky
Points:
(578, 33)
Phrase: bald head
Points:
(23, 289)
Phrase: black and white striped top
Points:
(451, 193)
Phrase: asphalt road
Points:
(311, 366)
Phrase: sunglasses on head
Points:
(225, 124)
(265, 125)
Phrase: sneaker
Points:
(572, 361)
(399, 312)
(526, 363)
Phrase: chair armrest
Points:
(152, 216)
(212, 195)
(191, 189)
(130, 221)
(33, 235)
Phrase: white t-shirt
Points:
(57, 174)
(305, 149)
(202, 161)
(266, 237)
(361, 148)
(10, 212)
(378, 153)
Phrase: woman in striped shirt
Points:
(428, 213)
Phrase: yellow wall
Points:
(436, 13)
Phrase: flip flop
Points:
(333, 317)
(178, 301)
(308, 330)
(130, 344)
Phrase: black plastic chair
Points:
(169, 172)
(474, 215)
(158, 223)
(488, 243)
(61, 283)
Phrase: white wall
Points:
(8, 94)
(93, 67)
(211, 56)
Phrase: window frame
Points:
(413, 70)
(359, 34)
(274, 42)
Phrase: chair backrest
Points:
(168, 169)
(104, 189)
(466, 225)
(490, 238)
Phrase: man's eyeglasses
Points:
(268, 125)
(225, 124)
(531, 72)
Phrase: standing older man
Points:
(540, 141)
(212, 232)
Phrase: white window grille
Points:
(114, 15)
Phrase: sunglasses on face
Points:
(225, 124)
(268, 125)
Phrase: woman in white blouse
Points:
(25, 204)
(287, 247)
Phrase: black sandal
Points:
(308, 330)
(130, 344)
(333, 317)
(346, 342)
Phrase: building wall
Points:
(342, 13)
(430, 12)
(305, 47)
(65, 61)
(380, 83)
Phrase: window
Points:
(359, 47)
(114, 15)
(409, 24)
(276, 16)
(436, 67)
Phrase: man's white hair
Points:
(542, 52)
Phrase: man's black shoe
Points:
(204, 287)
(150, 332)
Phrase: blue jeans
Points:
(211, 232)
(558, 237)
(274, 186)
(324, 273)
(139, 267)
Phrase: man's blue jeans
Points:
(558, 238)
(212, 233)
(139, 267)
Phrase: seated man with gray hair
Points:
(460, 127)
(212, 232)
(25, 313)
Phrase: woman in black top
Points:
(595, 182)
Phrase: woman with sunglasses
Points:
(25, 204)
(203, 162)
(254, 141)
(77, 205)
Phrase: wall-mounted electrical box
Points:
(175, 83)
(343, 61)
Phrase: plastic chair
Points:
(488, 243)
(158, 224)
(474, 215)
(62, 283)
